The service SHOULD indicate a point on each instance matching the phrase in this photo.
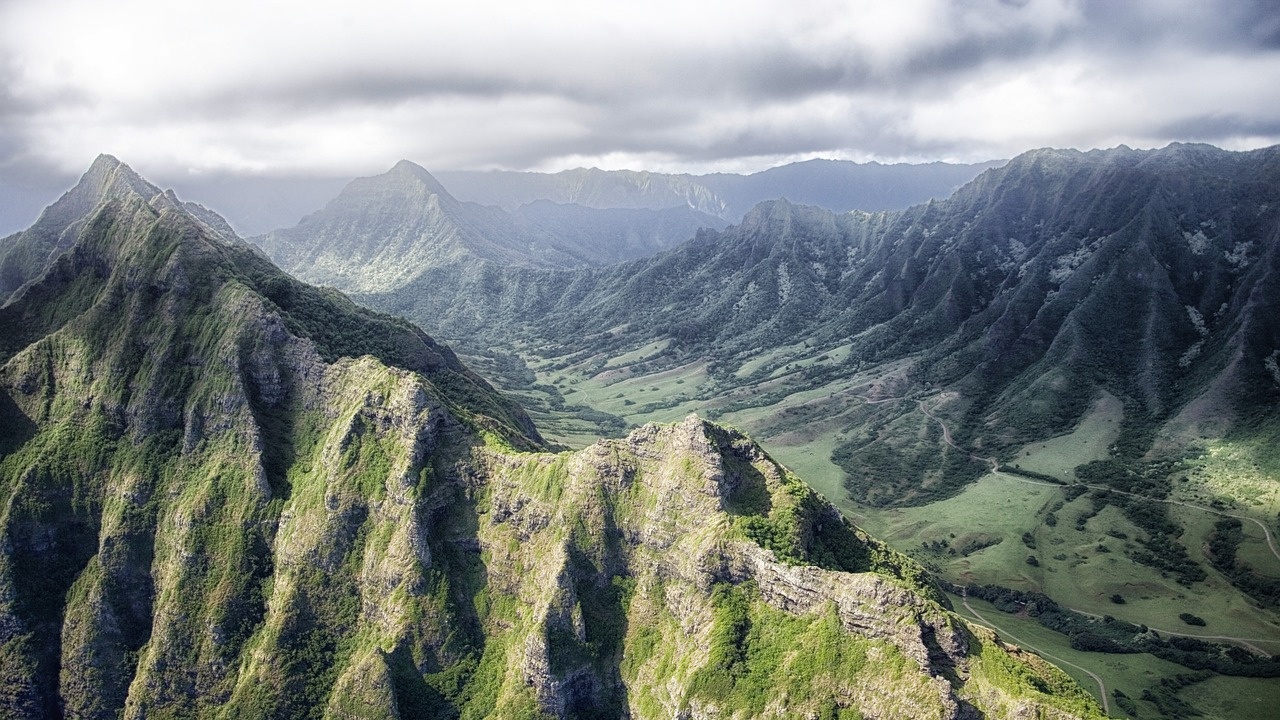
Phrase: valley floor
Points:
(986, 533)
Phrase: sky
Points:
(214, 91)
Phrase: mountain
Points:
(592, 188)
(227, 493)
(24, 255)
(838, 185)
(1060, 380)
(383, 232)
(841, 186)
(608, 236)
(380, 231)
(1150, 276)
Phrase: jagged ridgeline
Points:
(224, 493)
(1151, 276)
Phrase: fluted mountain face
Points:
(606, 236)
(384, 232)
(1151, 275)
(224, 493)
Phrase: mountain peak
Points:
(105, 161)
(407, 170)
(766, 212)
(407, 166)
(108, 178)
(53, 232)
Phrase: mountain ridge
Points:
(227, 493)
(1002, 291)
(839, 185)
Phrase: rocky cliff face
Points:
(224, 493)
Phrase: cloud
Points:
(272, 87)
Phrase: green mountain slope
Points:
(1149, 276)
(25, 255)
(224, 493)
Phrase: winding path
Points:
(995, 470)
(1102, 687)
(1243, 642)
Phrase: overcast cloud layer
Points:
(343, 89)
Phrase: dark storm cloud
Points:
(376, 88)
(1223, 26)
(1211, 126)
(264, 88)
(774, 68)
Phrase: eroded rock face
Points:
(675, 544)
(226, 494)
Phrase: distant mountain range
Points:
(837, 185)
(258, 204)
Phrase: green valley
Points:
(1097, 324)
(227, 493)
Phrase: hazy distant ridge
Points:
(837, 185)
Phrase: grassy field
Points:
(772, 356)
(1243, 698)
(987, 532)
(1218, 697)
(1235, 474)
(978, 536)
(1089, 441)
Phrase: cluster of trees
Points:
(1116, 636)
(1224, 541)
(1031, 474)
(878, 474)
(1165, 696)
(1162, 548)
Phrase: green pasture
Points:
(1217, 697)
(1059, 456)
